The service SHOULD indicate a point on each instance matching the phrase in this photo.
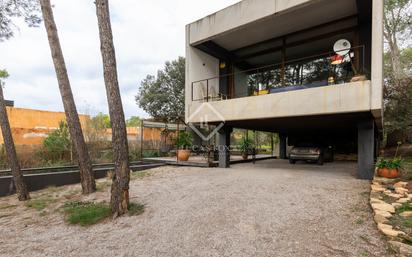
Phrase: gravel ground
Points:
(267, 209)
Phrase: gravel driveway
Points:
(267, 209)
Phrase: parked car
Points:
(311, 154)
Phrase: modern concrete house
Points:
(306, 69)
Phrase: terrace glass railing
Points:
(295, 74)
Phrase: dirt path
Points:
(248, 210)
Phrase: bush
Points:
(86, 213)
(245, 145)
(151, 153)
(184, 140)
(134, 152)
(57, 145)
(3, 158)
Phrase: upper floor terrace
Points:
(263, 59)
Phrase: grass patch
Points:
(102, 186)
(40, 203)
(135, 209)
(7, 206)
(402, 223)
(404, 207)
(365, 238)
(359, 221)
(72, 193)
(388, 199)
(86, 213)
(364, 194)
(364, 253)
(52, 189)
(406, 222)
(141, 174)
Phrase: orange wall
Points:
(30, 127)
(133, 134)
(37, 119)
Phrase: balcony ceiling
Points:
(343, 124)
(287, 22)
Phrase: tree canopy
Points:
(133, 121)
(3, 75)
(101, 121)
(397, 65)
(163, 96)
(9, 9)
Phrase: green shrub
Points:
(86, 213)
(245, 145)
(57, 145)
(395, 163)
(151, 153)
(134, 152)
(404, 207)
(3, 158)
(184, 140)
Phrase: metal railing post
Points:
(192, 92)
(207, 90)
(363, 59)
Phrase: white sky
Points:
(146, 34)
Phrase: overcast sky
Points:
(146, 34)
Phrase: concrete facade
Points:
(352, 97)
(222, 49)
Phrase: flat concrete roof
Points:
(251, 21)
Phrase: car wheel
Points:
(320, 160)
(291, 161)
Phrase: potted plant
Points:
(245, 145)
(389, 168)
(184, 143)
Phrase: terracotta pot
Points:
(183, 155)
(388, 173)
(244, 156)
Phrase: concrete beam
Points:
(342, 98)
(377, 60)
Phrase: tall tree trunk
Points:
(73, 122)
(395, 59)
(21, 188)
(120, 187)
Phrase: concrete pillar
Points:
(224, 144)
(197, 140)
(282, 146)
(366, 149)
